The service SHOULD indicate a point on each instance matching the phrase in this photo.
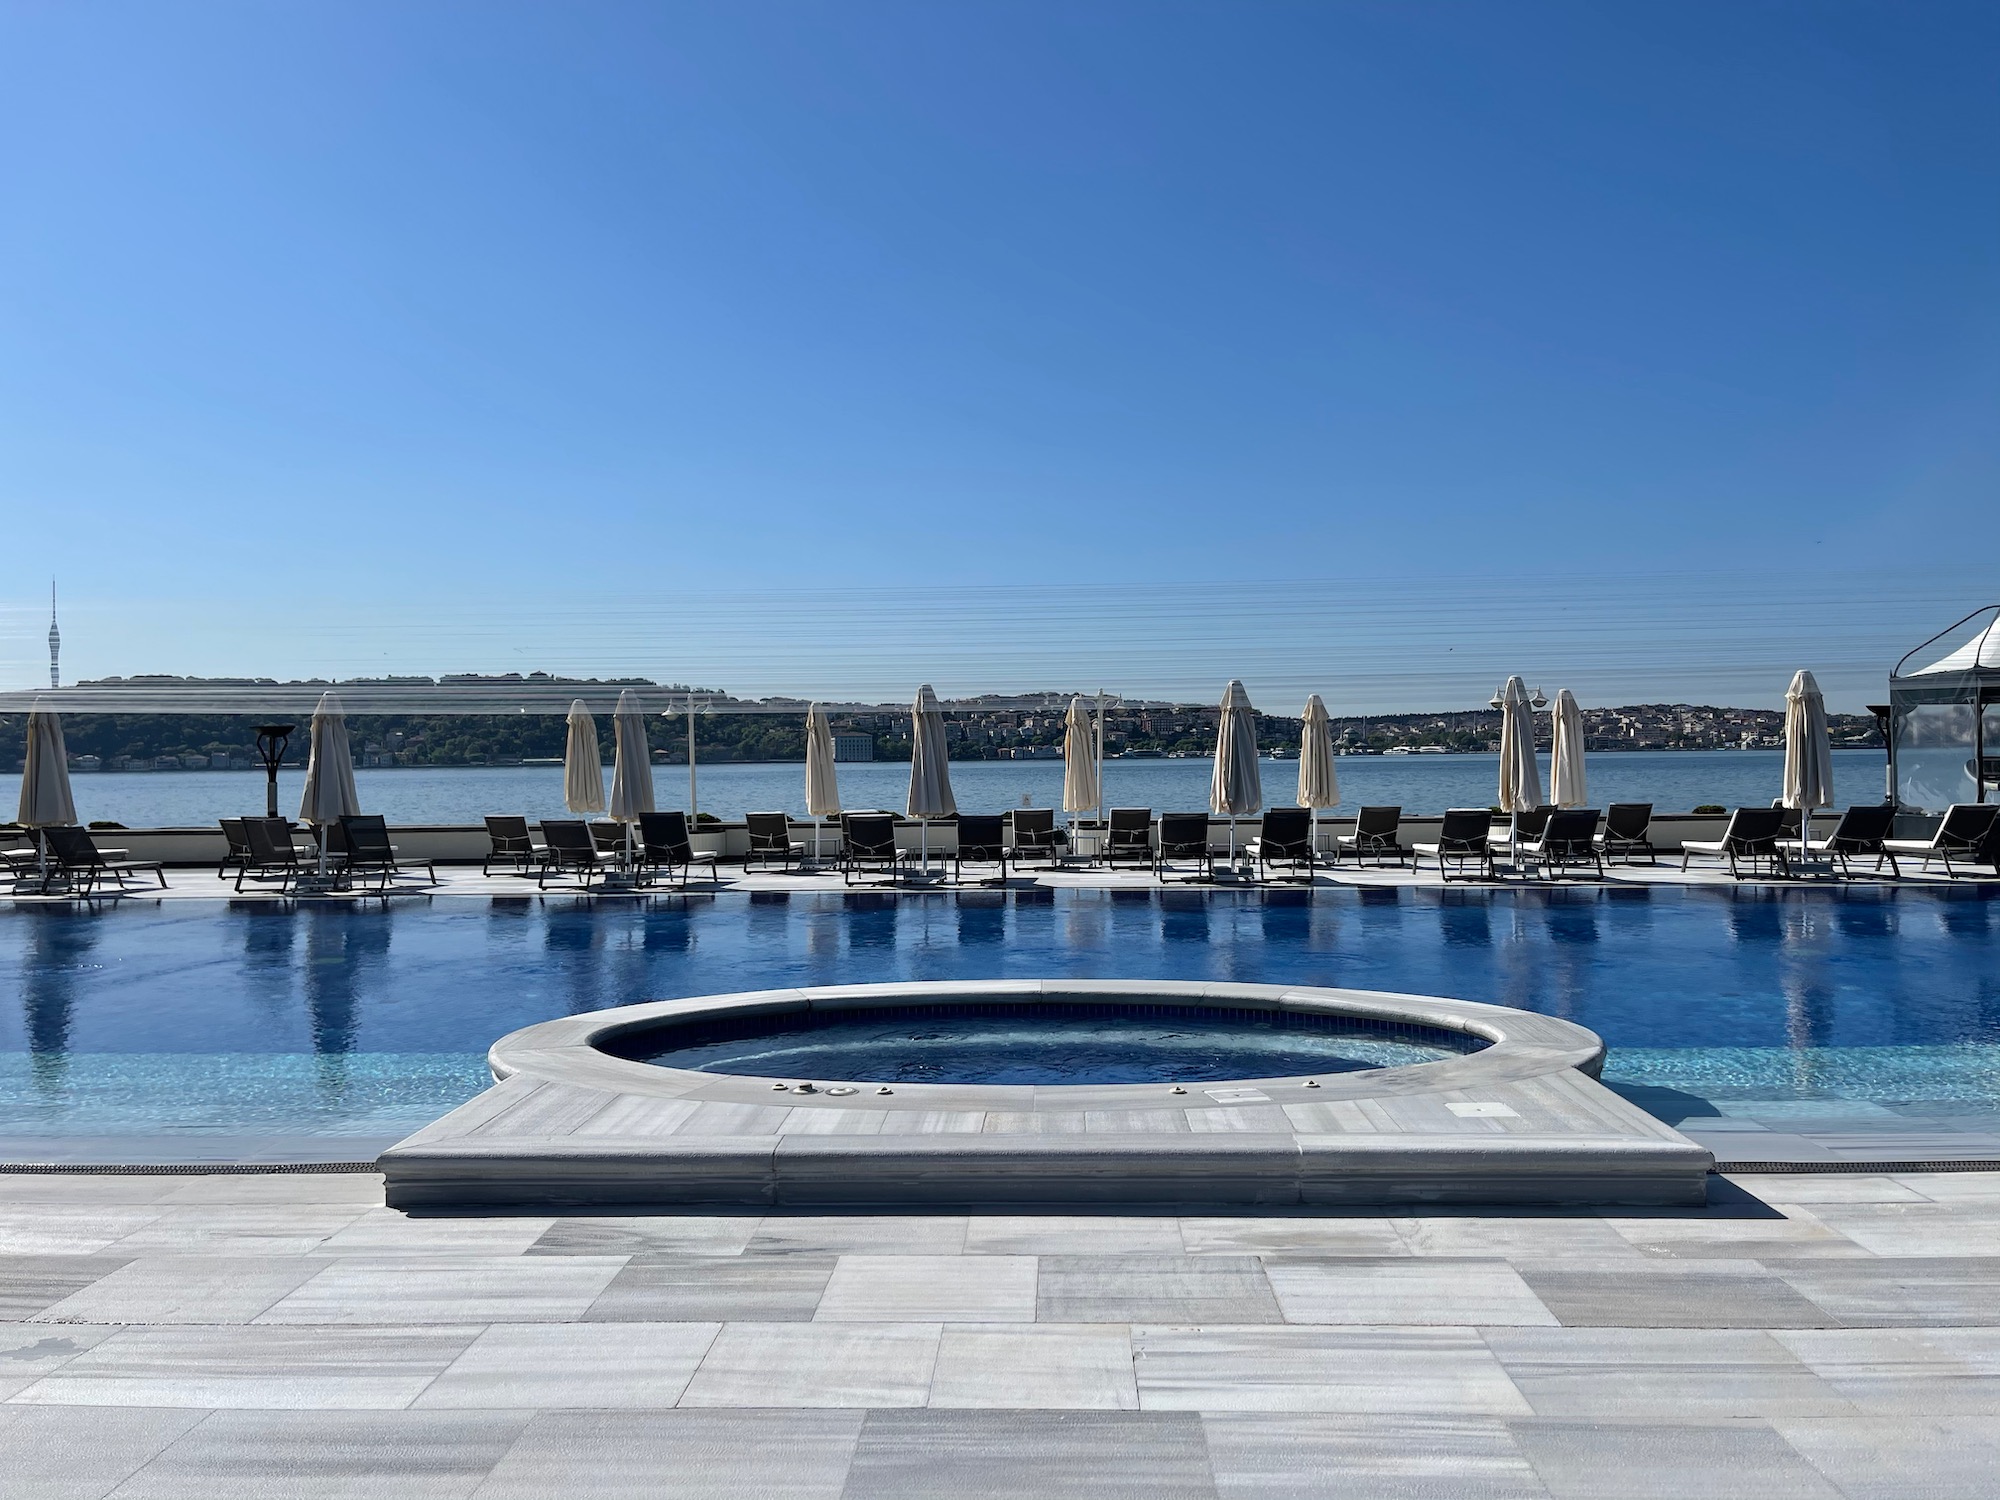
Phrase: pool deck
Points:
(288, 1335)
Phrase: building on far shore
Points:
(854, 747)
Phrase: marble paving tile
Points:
(113, 1188)
(1441, 1371)
(254, 1367)
(1047, 1366)
(29, 1351)
(69, 1228)
(860, 1234)
(1924, 1372)
(1799, 1233)
(1960, 1228)
(1079, 1235)
(1276, 1237)
(448, 1289)
(1545, 1237)
(930, 1289)
(329, 1455)
(656, 1234)
(1697, 1293)
(1410, 1290)
(185, 1289)
(747, 1289)
(816, 1364)
(1824, 1187)
(1894, 1458)
(386, 1231)
(29, 1283)
(945, 1455)
(710, 1455)
(241, 1229)
(1953, 1187)
(1638, 1374)
(82, 1453)
(1899, 1290)
(1228, 1289)
(550, 1365)
(1662, 1461)
(1286, 1456)
(356, 1189)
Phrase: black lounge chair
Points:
(568, 847)
(771, 838)
(1963, 835)
(665, 845)
(1374, 834)
(1751, 835)
(1284, 838)
(369, 851)
(1184, 836)
(237, 853)
(1627, 827)
(982, 840)
(867, 841)
(1862, 833)
(1129, 836)
(1569, 837)
(510, 843)
(1524, 828)
(74, 856)
(273, 855)
(1035, 836)
(1465, 837)
(610, 839)
(1788, 824)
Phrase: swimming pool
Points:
(192, 1017)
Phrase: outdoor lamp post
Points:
(271, 740)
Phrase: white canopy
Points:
(632, 760)
(1319, 782)
(930, 770)
(1236, 789)
(1520, 777)
(583, 763)
(822, 785)
(329, 792)
(1080, 788)
(45, 795)
(1567, 784)
(1981, 653)
(1808, 753)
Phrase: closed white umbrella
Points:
(1808, 755)
(631, 765)
(1235, 788)
(45, 795)
(1520, 777)
(1080, 781)
(583, 763)
(930, 771)
(1319, 782)
(329, 791)
(822, 783)
(1567, 786)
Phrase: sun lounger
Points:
(1862, 833)
(867, 842)
(567, 847)
(1035, 836)
(1129, 836)
(237, 854)
(1569, 837)
(610, 839)
(1962, 836)
(771, 838)
(1627, 830)
(369, 851)
(74, 856)
(982, 840)
(273, 855)
(1284, 838)
(1374, 834)
(1184, 837)
(1522, 828)
(1465, 837)
(510, 843)
(1750, 836)
(667, 846)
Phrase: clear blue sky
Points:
(346, 337)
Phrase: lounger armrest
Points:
(1910, 846)
(1705, 846)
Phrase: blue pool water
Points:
(186, 1017)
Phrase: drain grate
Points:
(1861, 1168)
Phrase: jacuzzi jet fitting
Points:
(1312, 1083)
(885, 1090)
(1177, 1089)
(806, 1088)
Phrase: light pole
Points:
(271, 740)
